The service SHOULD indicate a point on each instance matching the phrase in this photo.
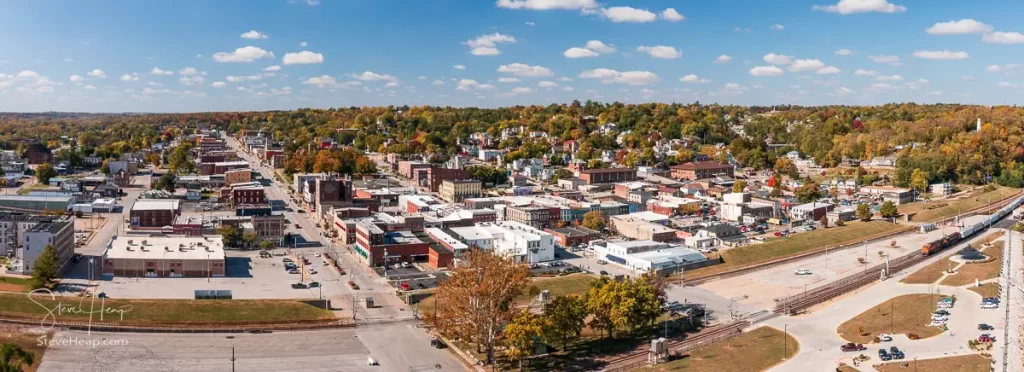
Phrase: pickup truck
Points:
(883, 355)
(896, 353)
(852, 347)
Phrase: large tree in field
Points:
(520, 335)
(566, 317)
(477, 299)
(864, 212)
(44, 172)
(47, 268)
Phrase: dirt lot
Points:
(912, 314)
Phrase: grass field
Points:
(948, 208)
(981, 271)
(986, 290)
(929, 274)
(912, 314)
(963, 363)
(757, 350)
(848, 369)
(575, 284)
(164, 312)
(776, 248)
(11, 284)
(28, 343)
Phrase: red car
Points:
(986, 338)
(852, 347)
(405, 286)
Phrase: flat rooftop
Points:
(167, 247)
(155, 204)
(670, 255)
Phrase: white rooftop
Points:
(475, 232)
(670, 255)
(166, 247)
(649, 216)
(448, 239)
(155, 204)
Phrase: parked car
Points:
(883, 355)
(312, 271)
(985, 327)
(297, 226)
(884, 338)
(353, 285)
(604, 273)
(986, 338)
(602, 262)
(299, 285)
(404, 286)
(406, 265)
(940, 318)
(989, 305)
(802, 272)
(286, 260)
(942, 312)
(314, 284)
(852, 347)
(990, 299)
(896, 353)
(293, 271)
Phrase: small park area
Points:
(988, 269)
(757, 350)
(907, 314)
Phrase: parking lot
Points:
(248, 277)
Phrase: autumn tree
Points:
(229, 235)
(888, 210)
(739, 186)
(566, 316)
(919, 180)
(166, 182)
(785, 166)
(602, 299)
(44, 172)
(47, 268)
(476, 300)
(520, 336)
(266, 245)
(809, 192)
(864, 212)
(594, 220)
(105, 167)
(249, 237)
(823, 221)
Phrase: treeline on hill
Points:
(938, 140)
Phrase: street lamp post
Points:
(785, 343)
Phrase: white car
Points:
(884, 337)
(802, 272)
(989, 305)
(936, 324)
(312, 270)
(939, 318)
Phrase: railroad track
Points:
(709, 336)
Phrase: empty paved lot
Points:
(397, 347)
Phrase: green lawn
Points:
(776, 248)
(11, 284)
(939, 209)
(904, 314)
(757, 350)
(166, 312)
(37, 187)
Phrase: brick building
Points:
(232, 177)
(154, 213)
(607, 175)
(164, 257)
(37, 153)
(436, 175)
(700, 170)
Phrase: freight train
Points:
(967, 231)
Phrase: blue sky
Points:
(179, 56)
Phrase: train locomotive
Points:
(967, 231)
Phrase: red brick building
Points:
(248, 195)
(700, 170)
(154, 212)
(437, 175)
(37, 153)
(607, 175)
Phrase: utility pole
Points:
(233, 359)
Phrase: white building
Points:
(941, 188)
(646, 255)
(521, 242)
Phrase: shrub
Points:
(913, 336)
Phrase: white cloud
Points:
(522, 90)
(303, 44)
(806, 65)
(609, 76)
(863, 72)
(961, 27)
(547, 4)
(254, 35)
(242, 55)
(940, 54)
(691, 78)
(459, 67)
(844, 90)
(190, 71)
(437, 82)
(600, 47)
(134, 76)
(737, 29)
(778, 27)
(239, 79)
(671, 15)
(322, 81)
(218, 84)
(547, 84)
(828, 70)
(304, 57)
(568, 89)
(882, 86)
(733, 88)
(373, 76)
(844, 52)
(621, 14)
(923, 81)
(777, 59)
(486, 45)
(564, 78)
(579, 53)
(520, 69)
(470, 84)
(158, 71)
(891, 60)
(847, 7)
(1001, 37)
(1005, 84)
(723, 59)
(766, 71)
(508, 80)
(1002, 68)
(97, 73)
(192, 80)
(660, 51)
(75, 78)
(889, 78)
(531, 24)
(272, 68)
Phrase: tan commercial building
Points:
(455, 191)
(165, 256)
(232, 177)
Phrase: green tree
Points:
(521, 335)
(919, 180)
(639, 303)
(809, 192)
(888, 210)
(567, 315)
(739, 186)
(249, 237)
(864, 212)
(594, 220)
(46, 270)
(602, 300)
(105, 167)
(14, 359)
(229, 235)
(823, 221)
(166, 182)
(776, 191)
(267, 245)
(44, 172)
